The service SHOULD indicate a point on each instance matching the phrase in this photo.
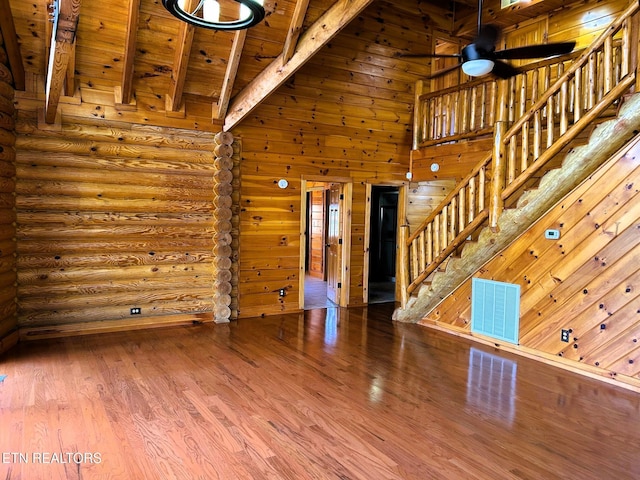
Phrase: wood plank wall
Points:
(112, 217)
(8, 318)
(587, 282)
(423, 197)
(346, 114)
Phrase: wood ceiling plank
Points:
(62, 40)
(295, 29)
(272, 77)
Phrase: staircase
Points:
(533, 132)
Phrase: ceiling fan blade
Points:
(504, 70)
(426, 55)
(443, 71)
(543, 50)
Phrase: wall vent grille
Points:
(495, 309)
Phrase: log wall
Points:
(117, 217)
(8, 319)
(346, 115)
(587, 282)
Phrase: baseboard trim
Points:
(110, 326)
(606, 376)
(9, 341)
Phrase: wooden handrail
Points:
(524, 138)
(526, 68)
(597, 44)
(453, 193)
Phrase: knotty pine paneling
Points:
(110, 218)
(8, 318)
(587, 282)
(346, 114)
(423, 198)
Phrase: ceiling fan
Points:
(481, 57)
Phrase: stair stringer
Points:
(605, 140)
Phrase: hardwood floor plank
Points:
(316, 395)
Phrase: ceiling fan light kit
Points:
(207, 14)
(477, 68)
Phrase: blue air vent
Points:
(495, 309)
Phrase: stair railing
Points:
(537, 114)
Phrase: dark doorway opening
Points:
(382, 243)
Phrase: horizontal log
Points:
(105, 191)
(223, 138)
(223, 163)
(222, 201)
(7, 217)
(223, 176)
(112, 245)
(118, 257)
(7, 137)
(106, 205)
(225, 151)
(7, 168)
(106, 149)
(114, 164)
(152, 298)
(89, 174)
(89, 219)
(222, 288)
(59, 232)
(73, 276)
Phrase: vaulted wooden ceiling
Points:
(134, 55)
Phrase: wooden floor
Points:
(328, 394)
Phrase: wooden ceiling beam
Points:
(62, 40)
(125, 94)
(295, 29)
(310, 43)
(11, 45)
(220, 108)
(181, 62)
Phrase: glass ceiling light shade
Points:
(207, 14)
(477, 68)
(476, 62)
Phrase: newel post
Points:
(496, 203)
(404, 264)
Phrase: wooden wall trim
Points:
(110, 326)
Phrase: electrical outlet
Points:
(564, 335)
(136, 311)
(283, 292)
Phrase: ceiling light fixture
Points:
(207, 14)
(476, 62)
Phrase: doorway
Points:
(383, 229)
(323, 253)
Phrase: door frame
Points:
(345, 216)
(402, 220)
